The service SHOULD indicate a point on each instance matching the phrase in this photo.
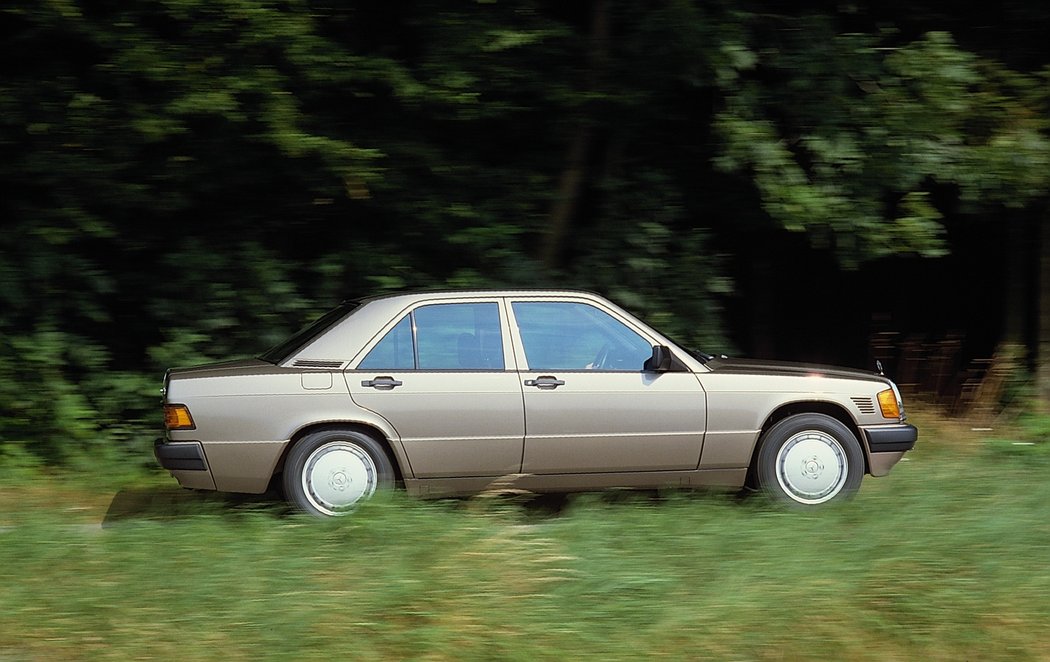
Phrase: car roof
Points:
(413, 295)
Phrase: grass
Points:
(944, 559)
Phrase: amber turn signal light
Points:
(889, 405)
(177, 417)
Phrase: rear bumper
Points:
(180, 456)
(228, 466)
(186, 461)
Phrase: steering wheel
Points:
(599, 360)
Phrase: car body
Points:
(451, 393)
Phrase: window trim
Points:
(415, 340)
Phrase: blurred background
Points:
(190, 180)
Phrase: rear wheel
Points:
(809, 459)
(329, 472)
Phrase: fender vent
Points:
(865, 405)
(314, 363)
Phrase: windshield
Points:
(281, 352)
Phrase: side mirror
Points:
(660, 361)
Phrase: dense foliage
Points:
(184, 180)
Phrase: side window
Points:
(576, 336)
(459, 336)
(454, 336)
(394, 351)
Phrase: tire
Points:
(328, 472)
(809, 459)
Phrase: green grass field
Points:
(948, 558)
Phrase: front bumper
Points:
(887, 444)
(895, 438)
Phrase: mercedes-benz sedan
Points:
(456, 392)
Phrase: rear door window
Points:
(452, 336)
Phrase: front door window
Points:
(562, 335)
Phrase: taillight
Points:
(177, 417)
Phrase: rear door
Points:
(439, 374)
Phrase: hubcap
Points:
(812, 467)
(337, 475)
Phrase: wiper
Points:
(704, 357)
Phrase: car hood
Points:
(785, 368)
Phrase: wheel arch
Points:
(832, 409)
(396, 458)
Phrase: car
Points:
(454, 393)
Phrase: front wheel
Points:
(328, 472)
(809, 459)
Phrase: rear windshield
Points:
(283, 351)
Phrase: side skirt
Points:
(439, 487)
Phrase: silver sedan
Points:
(456, 392)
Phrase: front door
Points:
(589, 406)
(440, 377)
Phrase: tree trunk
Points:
(760, 297)
(1042, 372)
(570, 187)
(1012, 355)
(574, 174)
(1015, 299)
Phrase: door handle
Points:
(545, 382)
(381, 383)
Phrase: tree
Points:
(190, 180)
